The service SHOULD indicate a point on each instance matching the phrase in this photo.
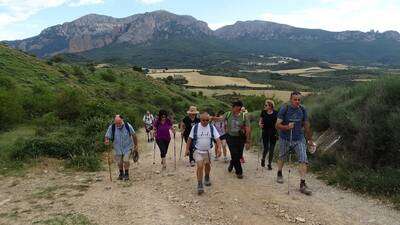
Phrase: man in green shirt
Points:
(238, 136)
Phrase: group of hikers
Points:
(203, 131)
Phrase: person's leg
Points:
(301, 151)
(126, 165)
(272, 143)
(240, 148)
(199, 172)
(118, 160)
(283, 148)
(265, 149)
(230, 142)
(191, 158)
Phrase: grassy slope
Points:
(40, 95)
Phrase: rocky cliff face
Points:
(96, 31)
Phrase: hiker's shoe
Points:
(230, 168)
(126, 177)
(262, 162)
(200, 189)
(192, 163)
(216, 158)
(269, 167)
(120, 177)
(304, 189)
(239, 176)
(207, 181)
(226, 159)
(279, 179)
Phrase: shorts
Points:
(298, 146)
(123, 158)
(148, 128)
(201, 156)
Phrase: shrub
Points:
(108, 76)
(11, 111)
(70, 104)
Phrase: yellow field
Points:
(196, 79)
(309, 70)
(281, 95)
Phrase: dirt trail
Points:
(170, 197)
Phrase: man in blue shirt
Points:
(124, 141)
(292, 123)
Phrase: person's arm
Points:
(107, 136)
(248, 133)
(280, 126)
(260, 122)
(188, 144)
(135, 142)
(308, 131)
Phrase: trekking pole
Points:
(180, 154)
(154, 152)
(174, 152)
(290, 159)
(109, 161)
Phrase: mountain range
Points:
(161, 38)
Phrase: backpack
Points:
(113, 130)
(195, 131)
(302, 110)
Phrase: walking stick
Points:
(154, 152)
(180, 154)
(174, 152)
(109, 161)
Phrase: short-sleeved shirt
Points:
(203, 141)
(269, 121)
(298, 116)
(148, 119)
(220, 125)
(163, 130)
(189, 123)
(235, 123)
(122, 141)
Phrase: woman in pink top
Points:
(163, 125)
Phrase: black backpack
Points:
(113, 130)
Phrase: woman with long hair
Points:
(162, 127)
(267, 123)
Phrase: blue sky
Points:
(25, 18)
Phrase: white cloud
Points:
(342, 15)
(15, 11)
(148, 2)
(85, 2)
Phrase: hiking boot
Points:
(120, 176)
(200, 189)
(304, 189)
(262, 162)
(230, 168)
(126, 177)
(207, 181)
(226, 159)
(192, 163)
(216, 158)
(279, 178)
(239, 176)
(269, 167)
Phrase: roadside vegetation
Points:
(366, 118)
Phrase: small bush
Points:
(11, 111)
(108, 76)
(70, 104)
(86, 161)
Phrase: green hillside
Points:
(68, 107)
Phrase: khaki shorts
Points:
(123, 158)
(201, 156)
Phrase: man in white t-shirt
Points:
(202, 137)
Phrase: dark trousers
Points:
(269, 142)
(236, 145)
(191, 149)
(163, 146)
